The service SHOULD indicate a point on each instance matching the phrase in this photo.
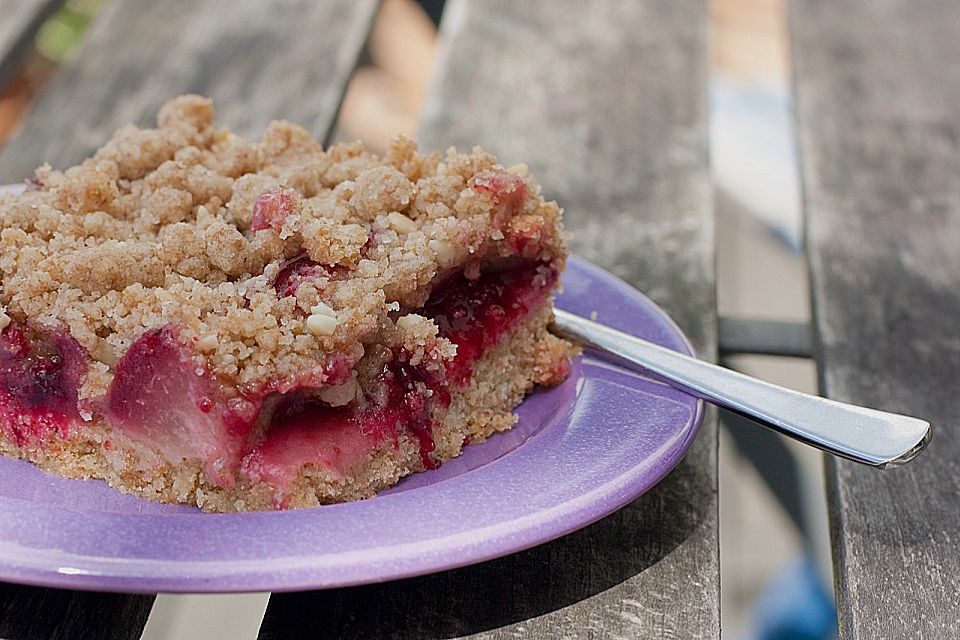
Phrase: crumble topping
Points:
(270, 257)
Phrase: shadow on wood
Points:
(509, 590)
(35, 613)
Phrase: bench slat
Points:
(879, 129)
(764, 337)
(260, 61)
(19, 22)
(609, 109)
(34, 613)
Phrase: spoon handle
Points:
(872, 437)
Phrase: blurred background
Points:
(775, 570)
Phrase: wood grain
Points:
(609, 109)
(33, 613)
(258, 60)
(19, 21)
(878, 91)
(763, 337)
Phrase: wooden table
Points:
(609, 109)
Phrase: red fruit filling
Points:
(334, 437)
(474, 314)
(505, 187)
(271, 209)
(305, 430)
(40, 372)
(296, 271)
(161, 396)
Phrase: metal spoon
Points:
(872, 437)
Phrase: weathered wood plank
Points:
(608, 108)
(258, 60)
(32, 613)
(766, 337)
(19, 21)
(879, 128)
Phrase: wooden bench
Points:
(878, 102)
(609, 109)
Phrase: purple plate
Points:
(579, 452)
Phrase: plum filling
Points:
(161, 396)
(300, 269)
(271, 209)
(304, 429)
(474, 314)
(40, 372)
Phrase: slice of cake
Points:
(200, 319)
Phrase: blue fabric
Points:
(796, 605)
